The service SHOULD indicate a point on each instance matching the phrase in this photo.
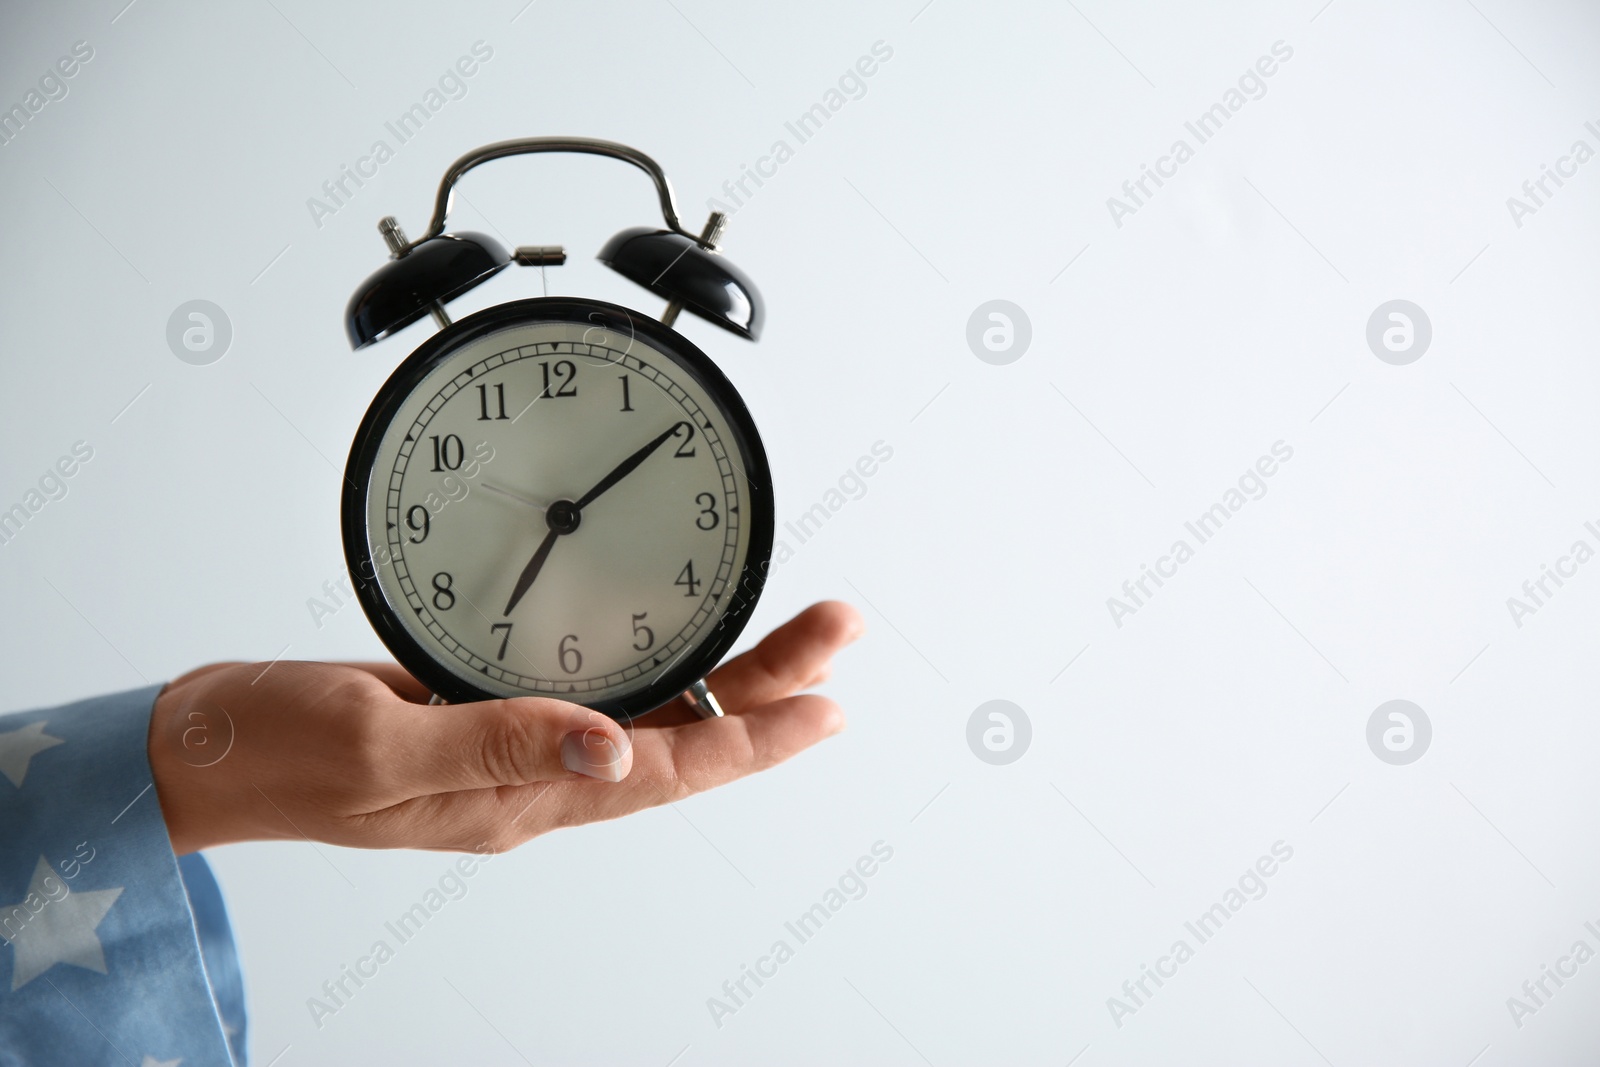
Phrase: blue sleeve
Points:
(115, 951)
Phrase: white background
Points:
(1225, 315)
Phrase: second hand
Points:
(514, 495)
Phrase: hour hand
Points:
(531, 571)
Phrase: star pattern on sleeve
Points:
(129, 941)
(18, 747)
(56, 926)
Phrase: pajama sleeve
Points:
(112, 949)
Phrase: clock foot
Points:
(435, 699)
(700, 699)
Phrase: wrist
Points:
(190, 746)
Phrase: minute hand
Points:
(626, 467)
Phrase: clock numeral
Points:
(565, 372)
(627, 404)
(500, 402)
(505, 639)
(420, 529)
(687, 579)
(574, 664)
(444, 597)
(448, 452)
(639, 630)
(685, 450)
(708, 511)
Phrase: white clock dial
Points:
(503, 462)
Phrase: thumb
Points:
(445, 748)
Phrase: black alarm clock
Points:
(556, 496)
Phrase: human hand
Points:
(352, 754)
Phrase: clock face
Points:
(558, 498)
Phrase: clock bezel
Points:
(408, 650)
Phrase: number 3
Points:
(708, 504)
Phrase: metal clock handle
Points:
(699, 697)
(585, 145)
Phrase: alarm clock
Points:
(556, 496)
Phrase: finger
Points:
(789, 659)
(793, 657)
(496, 743)
(675, 762)
(518, 742)
(668, 765)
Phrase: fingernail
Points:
(593, 754)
